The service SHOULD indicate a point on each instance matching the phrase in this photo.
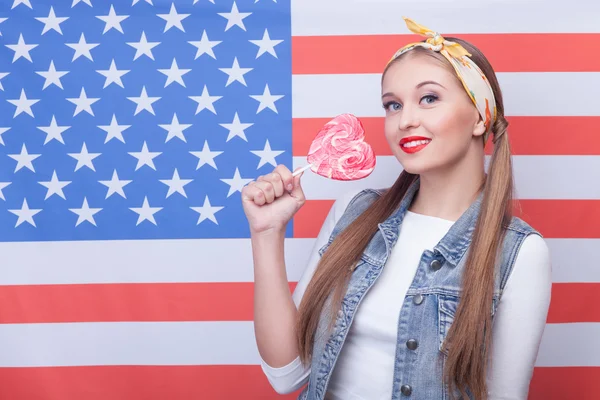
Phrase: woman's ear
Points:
(479, 128)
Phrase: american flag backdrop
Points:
(128, 128)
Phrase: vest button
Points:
(406, 390)
(418, 299)
(435, 265)
(412, 344)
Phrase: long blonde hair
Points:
(470, 334)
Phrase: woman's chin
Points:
(416, 167)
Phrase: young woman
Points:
(429, 289)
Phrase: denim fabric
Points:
(429, 306)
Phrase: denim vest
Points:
(429, 306)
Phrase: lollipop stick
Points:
(301, 170)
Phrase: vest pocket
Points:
(447, 305)
(446, 312)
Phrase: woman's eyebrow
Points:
(429, 82)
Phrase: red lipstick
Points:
(413, 149)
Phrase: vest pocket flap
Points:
(446, 311)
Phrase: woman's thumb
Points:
(297, 191)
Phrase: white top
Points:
(370, 346)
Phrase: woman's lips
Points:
(413, 144)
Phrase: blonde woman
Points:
(429, 289)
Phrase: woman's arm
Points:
(520, 321)
(292, 376)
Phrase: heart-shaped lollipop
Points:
(339, 150)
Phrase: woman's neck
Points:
(447, 195)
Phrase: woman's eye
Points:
(431, 97)
(392, 105)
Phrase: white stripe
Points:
(573, 260)
(536, 177)
(525, 94)
(209, 343)
(344, 17)
(127, 343)
(139, 261)
(570, 345)
(150, 261)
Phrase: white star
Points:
(266, 100)
(1, 21)
(206, 156)
(236, 128)
(266, 45)
(115, 185)
(267, 155)
(84, 159)
(24, 159)
(145, 212)
(144, 102)
(52, 76)
(25, 214)
(143, 47)
(114, 130)
(207, 211)
(113, 75)
(85, 213)
(53, 131)
(83, 103)
(2, 186)
(112, 20)
(175, 129)
(205, 46)
(82, 48)
(236, 73)
(23, 104)
(54, 186)
(205, 101)
(173, 19)
(2, 131)
(237, 183)
(174, 74)
(235, 17)
(145, 157)
(52, 21)
(2, 76)
(137, 1)
(17, 2)
(21, 49)
(176, 184)
(212, 1)
(88, 2)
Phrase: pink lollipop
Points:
(339, 150)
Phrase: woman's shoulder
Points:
(354, 201)
(519, 225)
(532, 257)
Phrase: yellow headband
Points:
(473, 79)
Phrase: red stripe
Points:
(138, 382)
(229, 301)
(581, 383)
(563, 218)
(202, 302)
(571, 303)
(222, 382)
(552, 218)
(359, 54)
(308, 220)
(528, 135)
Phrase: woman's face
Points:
(430, 121)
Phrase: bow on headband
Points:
(473, 79)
